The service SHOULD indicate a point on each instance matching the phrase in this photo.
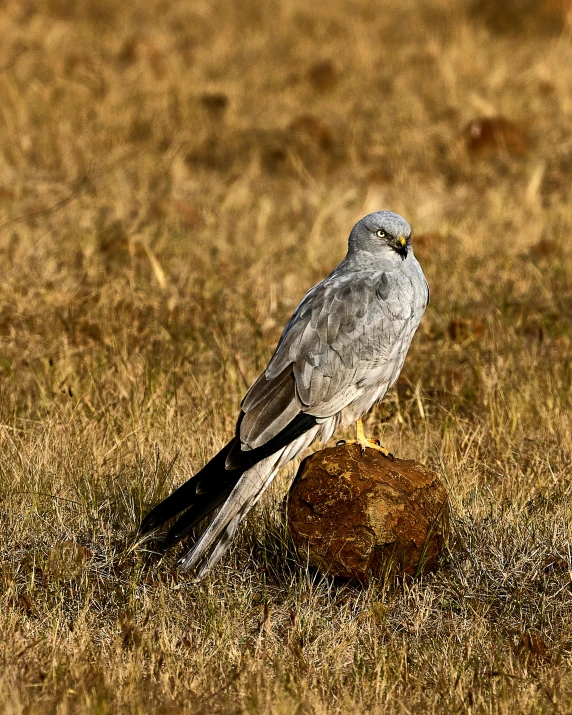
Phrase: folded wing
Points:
(343, 328)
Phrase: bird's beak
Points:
(399, 245)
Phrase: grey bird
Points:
(342, 350)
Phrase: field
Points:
(173, 177)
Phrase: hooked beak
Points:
(400, 246)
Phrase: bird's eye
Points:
(380, 234)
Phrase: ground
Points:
(173, 176)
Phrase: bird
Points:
(339, 354)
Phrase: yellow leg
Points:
(364, 442)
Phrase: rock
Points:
(354, 516)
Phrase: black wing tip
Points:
(185, 496)
(174, 535)
(163, 512)
(230, 460)
(149, 523)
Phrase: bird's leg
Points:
(364, 442)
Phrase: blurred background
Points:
(158, 141)
(174, 175)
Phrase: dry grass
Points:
(173, 176)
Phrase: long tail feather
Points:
(199, 492)
(195, 514)
(244, 495)
(206, 490)
(233, 480)
(220, 548)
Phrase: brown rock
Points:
(353, 516)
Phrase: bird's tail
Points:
(239, 489)
(197, 497)
(214, 542)
(234, 480)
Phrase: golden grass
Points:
(173, 177)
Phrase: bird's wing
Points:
(348, 334)
(344, 328)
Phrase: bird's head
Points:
(381, 233)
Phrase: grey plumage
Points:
(341, 351)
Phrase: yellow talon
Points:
(364, 442)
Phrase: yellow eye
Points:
(380, 234)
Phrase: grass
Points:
(173, 177)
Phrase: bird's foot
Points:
(366, 443)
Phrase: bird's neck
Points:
(383, 259)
